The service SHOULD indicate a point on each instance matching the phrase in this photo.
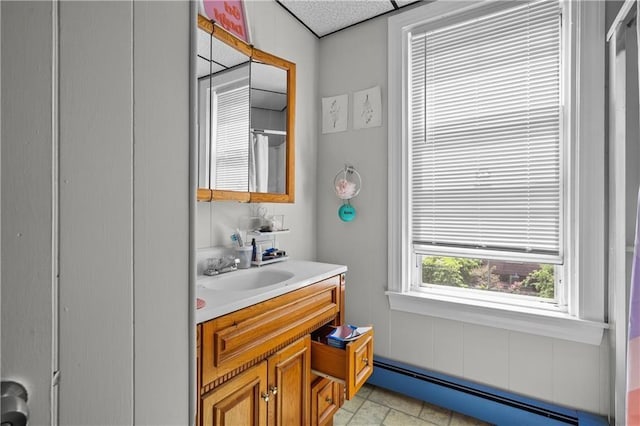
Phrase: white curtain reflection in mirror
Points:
(259, 163)
(277, 166)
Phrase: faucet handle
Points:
(228, 263)
(213, 264)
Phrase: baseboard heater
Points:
(482, 402)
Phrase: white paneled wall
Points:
(530, 365)
(161, 200)
(417, 349)
(569, 374)
(448, 339)
(485, 355)
(27, 336)
(107, 207)
(96, 285)
(576, 369)
(553, 370)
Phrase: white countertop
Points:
(221, 302)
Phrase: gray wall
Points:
(124, 197)
(27, 201)
(161, 196)
(276, 31)
(574, 375)
(119, 233)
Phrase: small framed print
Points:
(335, 113)
(367, 108)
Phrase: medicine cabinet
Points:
(246, 116)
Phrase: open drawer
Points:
(350, 366)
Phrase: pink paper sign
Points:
(229, 14)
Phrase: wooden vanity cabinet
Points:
(255, 364)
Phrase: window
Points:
(485, 142)
(487, 187)
(230, 127)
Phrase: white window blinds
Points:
(230, 152)
(485, 133)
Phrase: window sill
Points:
(526, 320)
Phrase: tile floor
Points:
(376, 406)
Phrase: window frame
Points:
(584, 242)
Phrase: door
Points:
(624, 154)
(27, 247)
(290, 384)
(241, 401)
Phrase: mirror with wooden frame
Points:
(246, 116)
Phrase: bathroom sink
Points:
(245, 280)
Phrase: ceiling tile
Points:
(326, 16)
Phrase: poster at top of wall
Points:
(229, 14)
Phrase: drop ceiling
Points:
(324, 17)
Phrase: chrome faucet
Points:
(221, 265)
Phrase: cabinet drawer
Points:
(325, 399)
(351, 366)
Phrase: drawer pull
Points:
(274, 390)
(265, 396)
(329, 400)
(365, 360)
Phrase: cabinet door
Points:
(290, 384)
(240, 401)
